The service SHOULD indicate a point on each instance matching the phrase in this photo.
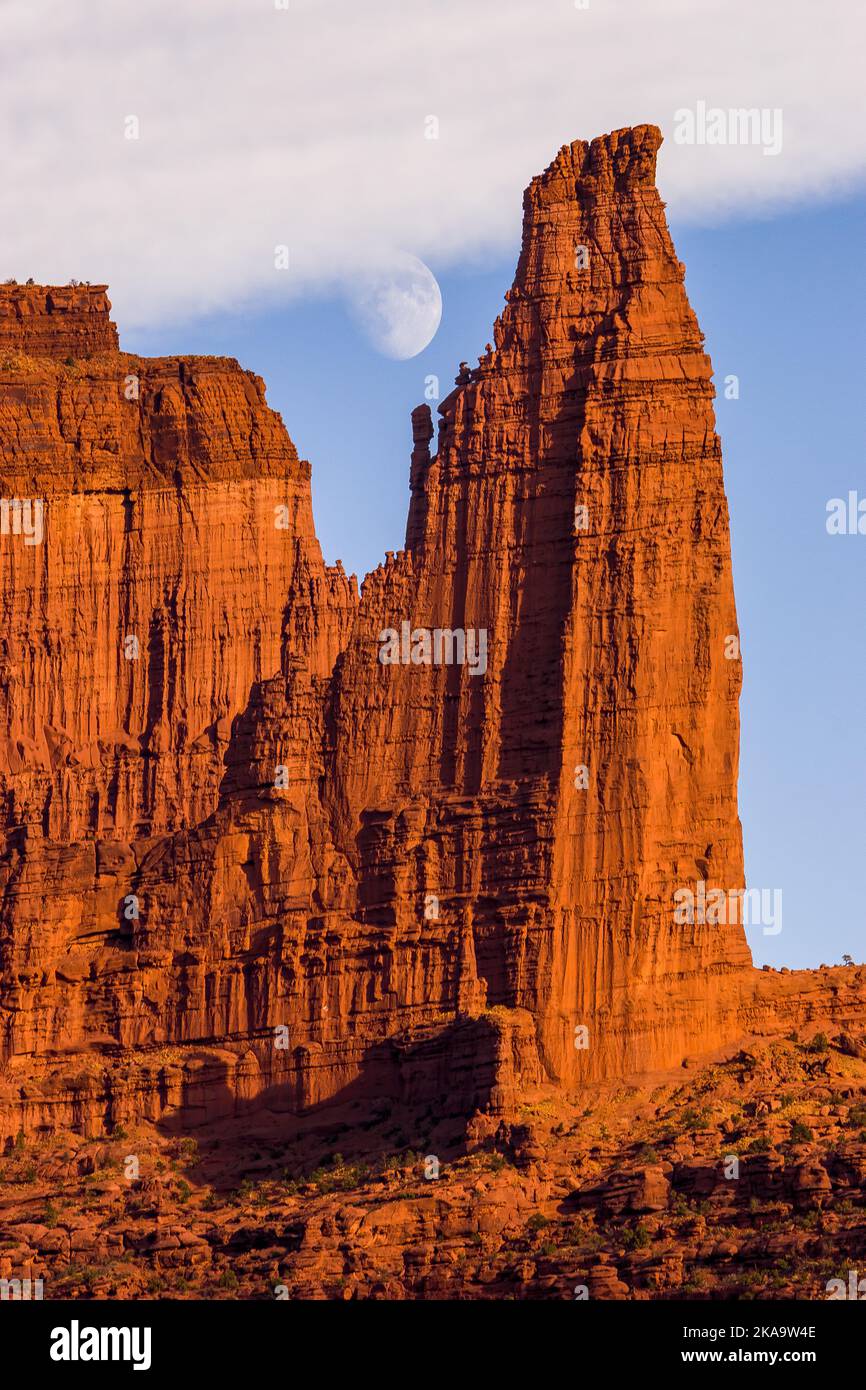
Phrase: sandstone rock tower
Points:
(427, 874)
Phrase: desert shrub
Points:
(760, 1145)
(637, 1238)
(693, 1120)
(537, 1222)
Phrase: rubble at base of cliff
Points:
(742, 1179)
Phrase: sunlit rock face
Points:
(295, 844)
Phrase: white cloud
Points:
(306, 127)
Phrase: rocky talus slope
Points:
(280, 854)
(742, 1178)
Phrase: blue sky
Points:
(781, 304)
(780, 300)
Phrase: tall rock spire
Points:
(574, 509)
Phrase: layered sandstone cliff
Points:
(253, 858)
(56, 321)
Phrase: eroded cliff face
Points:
(356, 866)
(56, 321)
(575, 510)
(175, 521)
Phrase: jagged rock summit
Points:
(267, 840)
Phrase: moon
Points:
(398, 307)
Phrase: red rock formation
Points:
(176, 521)
(59, 322)
(355, 876)
(606, 644)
